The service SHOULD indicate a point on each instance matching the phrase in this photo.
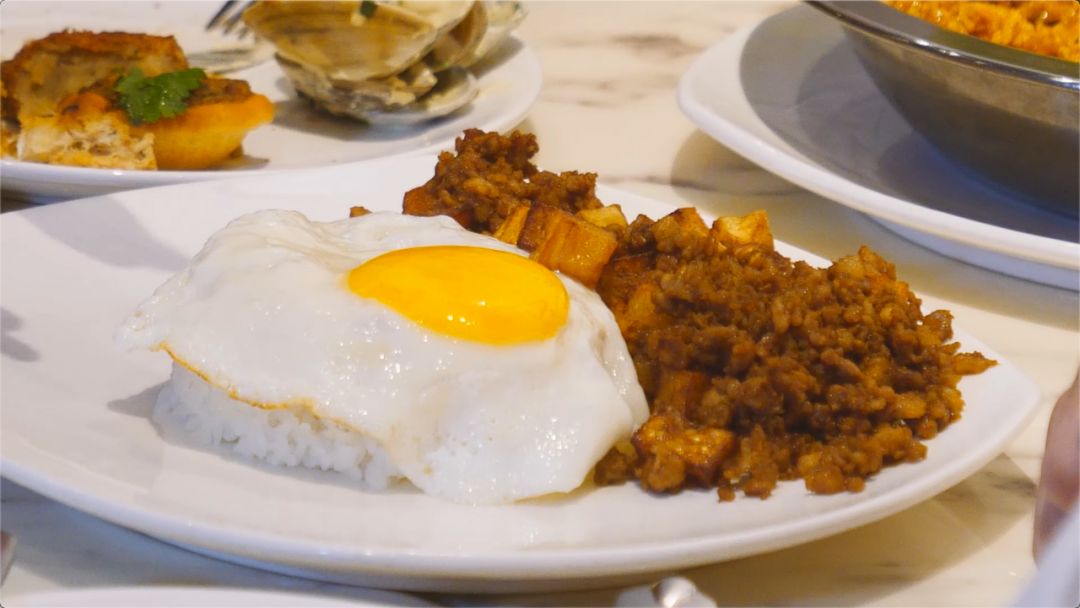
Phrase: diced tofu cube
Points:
(509, 231)
(752, 229)
(565, 243)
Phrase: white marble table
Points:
(608, 105)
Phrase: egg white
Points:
(263, 312)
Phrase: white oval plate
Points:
(299, 137)
(189, 597)
(789, 94)
(76, 428)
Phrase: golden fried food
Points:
(9, 136)
(86, 132)
(61, 105)
(565, 243)
(1047, 28)
(91, 130)
(219, 115)
(757, 368)
(60, 64)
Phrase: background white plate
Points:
(74, 424)
(789, 94)
(299, 137)
(189, 597)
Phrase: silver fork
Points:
(240, 49)
(228, 17)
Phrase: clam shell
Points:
(357, 98)
(461, 41)
(336, 39)
(443, 15)
(457, 87)
(502, 18)
(387, 63)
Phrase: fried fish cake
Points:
(46, 70)
(89, 129)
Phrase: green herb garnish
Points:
(148, 100)
(367, 8)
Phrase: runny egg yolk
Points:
(471, 293)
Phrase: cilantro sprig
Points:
(148, 100)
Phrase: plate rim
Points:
(796, 168)
(221, 596)
(61, 481)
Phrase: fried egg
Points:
(483, 376)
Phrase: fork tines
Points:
(227, 18)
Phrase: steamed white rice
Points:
(188, 408)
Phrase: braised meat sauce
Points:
(757, 368)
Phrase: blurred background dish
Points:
(789, 94)
(508, 82)
(1010, 115)
(383, 62)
